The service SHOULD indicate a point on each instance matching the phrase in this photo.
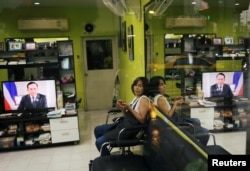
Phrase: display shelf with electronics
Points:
(233, 51)
(28, 59)
(172, 45)
(230, 111)
(41, 62)
(200, 53)
(35, 126)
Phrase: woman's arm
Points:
(143, 110)
(165, 107)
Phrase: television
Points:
(234, 79)
(15, 46)
(30, 46)
(13, 91)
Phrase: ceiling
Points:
(99, 4)
(51, 3)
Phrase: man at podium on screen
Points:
(33, 100)
(221, 89)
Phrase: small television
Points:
(234, 79)
(15, 46)
(13, 91)
(30, 46)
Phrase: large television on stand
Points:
(13, 91)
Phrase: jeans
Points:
(100, 138)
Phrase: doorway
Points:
(100, 67)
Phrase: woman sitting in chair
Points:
(135, 113)
(157, 91)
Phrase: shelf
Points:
(42, 64)
(227, 130)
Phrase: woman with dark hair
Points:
(135, 113)
(157, 92)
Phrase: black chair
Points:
(139, 139)
(136, 161)
(211, 149)
(215, 149)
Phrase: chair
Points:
(215, 149)
(120, 161)
(212, 149)
(139, 139)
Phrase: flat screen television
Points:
(13, 91)
(234, 79)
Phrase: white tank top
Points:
(156, 99)
(136, 102)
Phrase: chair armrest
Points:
(128, 142)
(138, 128)
(114, 111)
(186, 125)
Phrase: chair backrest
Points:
(169, 148)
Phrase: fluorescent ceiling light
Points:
(158, 7)
(36, 3)
(116, 6)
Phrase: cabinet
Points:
(64, 129)
(25, 131)
(205, 115)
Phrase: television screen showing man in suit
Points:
(221, 89)
(33, 100)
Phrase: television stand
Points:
(25, 130)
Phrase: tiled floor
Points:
(76, 157)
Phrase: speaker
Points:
(89, 28)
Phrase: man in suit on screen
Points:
(33, 100)
(221, 89)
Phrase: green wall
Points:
(222, 22)
(107, 24)
(104, 21)
(130, 69)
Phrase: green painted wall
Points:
(107, 24)
(222, 22)
(104, 21)
(130, 69)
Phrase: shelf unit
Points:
(233, 115)
(67, 71)
(188, 55)
(46, 61)
(29, 131)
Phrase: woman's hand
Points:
(178, 100)
(121, 105)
